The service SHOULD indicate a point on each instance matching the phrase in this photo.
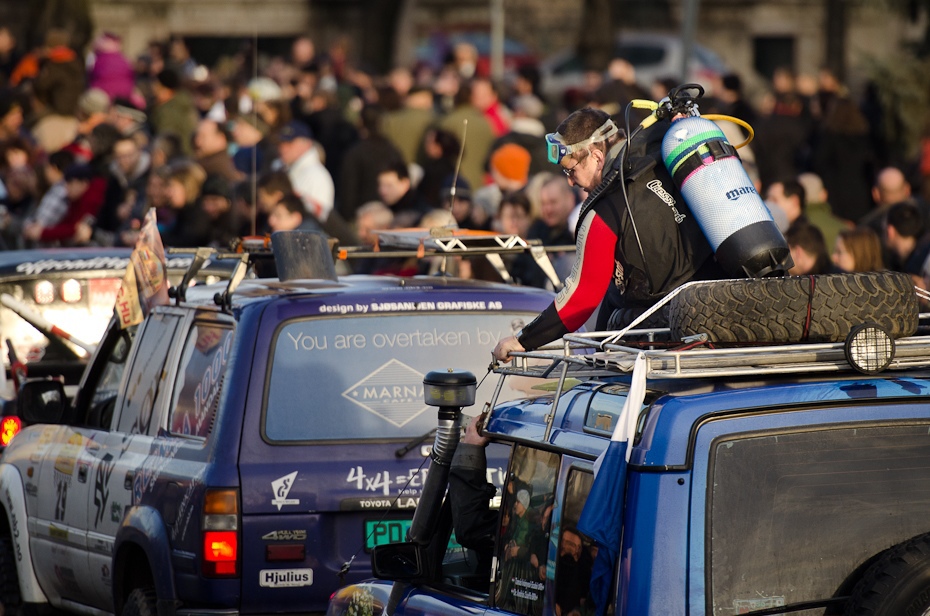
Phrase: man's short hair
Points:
(293, 204)
(169, 79)
(793, 188)
(906, 219)
(519, 200)
(61, 160)
(398, 167)
(275, 181)
(581, 124)
(807, 236)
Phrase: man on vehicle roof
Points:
(656, 243)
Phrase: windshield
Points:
(367, 372)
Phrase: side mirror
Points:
(42, 401)
(399, 562)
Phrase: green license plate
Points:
(381, 532)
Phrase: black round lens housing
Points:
(869, 348)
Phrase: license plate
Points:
(381, 532)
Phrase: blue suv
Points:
(243, 449)
(787, 478)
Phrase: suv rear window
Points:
(793, 513)
(366, 373)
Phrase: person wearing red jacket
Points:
(86, 191)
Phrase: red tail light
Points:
(220, 553)
(221, 533)
(9, 427)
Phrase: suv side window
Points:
(200, 379)
(147, 373)
(526, 513)
(576, 554)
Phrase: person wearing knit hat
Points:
(509, 168)
(523, 497)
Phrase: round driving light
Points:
(449, 388)
(71, 291)
(869, 348)
(44, 292)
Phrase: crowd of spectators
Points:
(90, 140)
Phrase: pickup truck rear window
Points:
(350, 378)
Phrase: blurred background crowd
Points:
(91, 140)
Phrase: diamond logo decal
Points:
(393, 392)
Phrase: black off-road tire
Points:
(621, 317)
(898, 584)
(10, 596)
(776, 309)
(141, 602)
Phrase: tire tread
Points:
(775, 309)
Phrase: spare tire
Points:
(898, 583)
(796, 308)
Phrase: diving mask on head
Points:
(557, 150)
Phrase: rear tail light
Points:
(9, 427)
(71, 291)
(221, 533)
(44, 292)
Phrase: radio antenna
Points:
(458, 164)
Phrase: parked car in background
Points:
(434, 50)
(74, 290)
(654, 56)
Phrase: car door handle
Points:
(127, 482)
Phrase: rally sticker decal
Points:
(286, 535)
(281, 487)
(285, 578)
(393, 392)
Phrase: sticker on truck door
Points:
(285, 578)
(281, 488)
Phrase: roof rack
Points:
(202, 256)
(255, 252)
(600, 354)
(595, 354)
(447, 241)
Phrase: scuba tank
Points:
(711, 178)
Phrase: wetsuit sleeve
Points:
(584, 288)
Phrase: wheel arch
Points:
(14, 522)
(142, 555)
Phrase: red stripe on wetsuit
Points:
(584, 288)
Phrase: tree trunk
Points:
(380, 31)
(836, 38)
(595, 40)
(72, 16)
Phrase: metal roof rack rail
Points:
(587, 355)
(446, 241)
